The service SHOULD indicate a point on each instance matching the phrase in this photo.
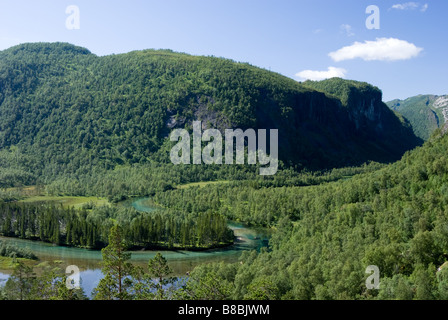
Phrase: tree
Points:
(142, 284)
(262, 289)
(20, 285)
(206, 285)
(116, 268)
(64, 293)
(442, 283)
(424, 279)
(159, 269)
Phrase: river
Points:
(181, 261)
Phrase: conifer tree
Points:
(159, 269)
(116, 268)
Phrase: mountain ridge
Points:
(71, 110)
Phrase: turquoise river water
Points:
(181, 261)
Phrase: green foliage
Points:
(343, 89)
(260, 201)
(160, 270)
(208, 282)
(124, 281)
(115, 267)
(66, 114)
(90, 228)
(84, 125)
(421, 112)
(262, 289)
(325, 235)
(20, 285)
(49, 284)
(395, 218)
(9, 250)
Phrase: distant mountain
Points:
(66, 110)
(426, 113)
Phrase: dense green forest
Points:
(75, 124)
(327, 235)
(65, 112)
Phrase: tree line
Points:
(89, 228)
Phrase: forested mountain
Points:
(426, 113)
(327, 235)
(88, 125)
(65, 111)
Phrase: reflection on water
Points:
(181, 261)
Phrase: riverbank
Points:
(8, 263)
(181, 261)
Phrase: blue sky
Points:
(300, 39)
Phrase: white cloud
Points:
(347, 29)
(405, 6)
(382, 49)
(409, 6)
(321, 75)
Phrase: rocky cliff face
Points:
(319, 129)
(362, 120)
(365, 109)
(441, 103)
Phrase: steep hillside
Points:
(64, 110)
(395, 218)
(367, 112)
(426, 113)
